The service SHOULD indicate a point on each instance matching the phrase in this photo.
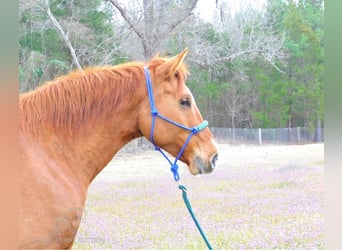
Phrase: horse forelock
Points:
(66, 102)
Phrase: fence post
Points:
(260, 139)
(274, 135)
(298, 134)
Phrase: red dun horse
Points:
(70, 128)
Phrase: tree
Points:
(256, 66)
(85, 35)
(64, 36)
(154, 21)
(304, 43)
(227, 50)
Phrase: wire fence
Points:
(238, 136)
(259, 136)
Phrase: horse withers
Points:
(70, 128)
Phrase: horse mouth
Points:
(199, 166)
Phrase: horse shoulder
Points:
(51, 199)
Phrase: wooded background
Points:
(252, 66)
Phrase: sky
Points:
(206, 8)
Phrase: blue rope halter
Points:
(155, 114)
(174, 166)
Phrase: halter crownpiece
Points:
(155, 114)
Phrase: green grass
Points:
(271, 207)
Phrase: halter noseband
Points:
(155, 114)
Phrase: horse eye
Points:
(185, 102)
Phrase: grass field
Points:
(258, 197)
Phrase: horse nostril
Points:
(213, 160)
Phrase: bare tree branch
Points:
(159, 22)
(235, 55)
(270, 61)
(186, 14)
(65, 36)
(128, 20)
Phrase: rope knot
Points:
(195, 130)
(174, 170)
(182, 187)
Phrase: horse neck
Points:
(108, 133)
(106, 138)
(89, 146)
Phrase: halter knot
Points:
(174, 170)
(195, 130)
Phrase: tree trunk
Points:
(318, 130)
(64, 36)
(149, 28)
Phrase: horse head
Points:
(176, 106)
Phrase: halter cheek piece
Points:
(155, 114)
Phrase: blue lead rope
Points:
(174, 166)
(188, 206)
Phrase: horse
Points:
(71, 127)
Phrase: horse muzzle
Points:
(199, 166)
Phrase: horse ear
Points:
(170, 67)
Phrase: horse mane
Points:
(68, 101)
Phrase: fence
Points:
(258, 136)
(298, 135)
